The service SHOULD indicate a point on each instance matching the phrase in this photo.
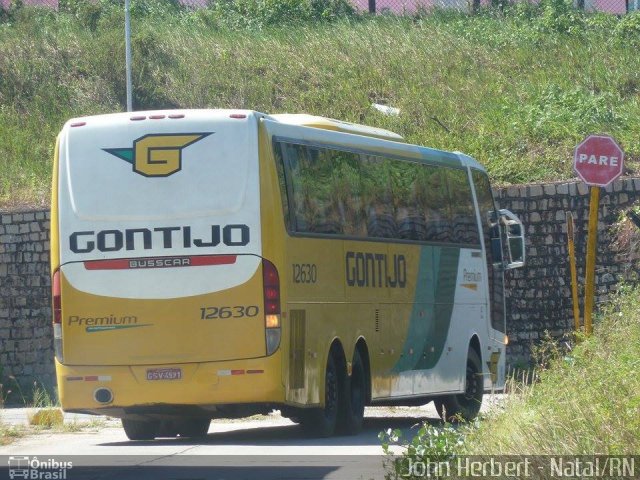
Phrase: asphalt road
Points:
(261, 447)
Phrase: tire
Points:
(353, 407)
(167, 429)
(193, 427)
(464, 406)
(140, 429)
(321, 422)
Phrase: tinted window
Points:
(433, 198)
(463, 217)
(369, 196)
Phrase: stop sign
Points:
(598, 160)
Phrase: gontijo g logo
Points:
(157, 155)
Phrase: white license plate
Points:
(164, 374)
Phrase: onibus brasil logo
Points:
(157, 155)
(32, 468)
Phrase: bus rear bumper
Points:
(195, 387)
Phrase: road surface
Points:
(261, 447)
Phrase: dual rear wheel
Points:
(190, 427)
(345, 398)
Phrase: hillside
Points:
(515, 90)
(586, 401)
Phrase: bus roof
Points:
(302, 119)
(314, 121)
(306, 120)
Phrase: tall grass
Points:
(585, 403)
(515, 90)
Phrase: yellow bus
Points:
(223, 263)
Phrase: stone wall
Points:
(26, 345)
(538, 296)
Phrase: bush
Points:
(262, 13)
(560, 16)
(431, 445)
(628, 28)
(585, 402)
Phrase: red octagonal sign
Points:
(598, 160)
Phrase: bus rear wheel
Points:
(193, 427)
(140, 429)
(464, 406)
(353, 412)
(321, 422)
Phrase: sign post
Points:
(598, 160)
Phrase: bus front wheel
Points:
(321, 422)
(464, 406)
(140, 429)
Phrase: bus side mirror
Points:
(515, 239)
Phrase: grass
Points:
(585, 403)
(581, 401)
(9, 433)
(44, 415)
(47, 423)
(517, 91)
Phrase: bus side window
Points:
(465, 229)
(278, 151)
(410, 219)
(433, 198)
(377, 197)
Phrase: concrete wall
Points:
(538, 296)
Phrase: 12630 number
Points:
(237, 311)
(305, 273)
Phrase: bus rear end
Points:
(164, 307)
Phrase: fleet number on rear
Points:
(237, 311)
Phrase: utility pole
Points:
(127, 44)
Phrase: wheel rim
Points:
(471, 389)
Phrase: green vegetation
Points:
(585, 400)
(515, 89)
(47, 412)
(8, 433)
(47, 422)
(44, 414)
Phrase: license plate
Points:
(164, 374)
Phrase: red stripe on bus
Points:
(237, 372)
(92, 378)
(134, 263)
(213, 260)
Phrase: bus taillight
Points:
(57, 315)
(271, 290)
